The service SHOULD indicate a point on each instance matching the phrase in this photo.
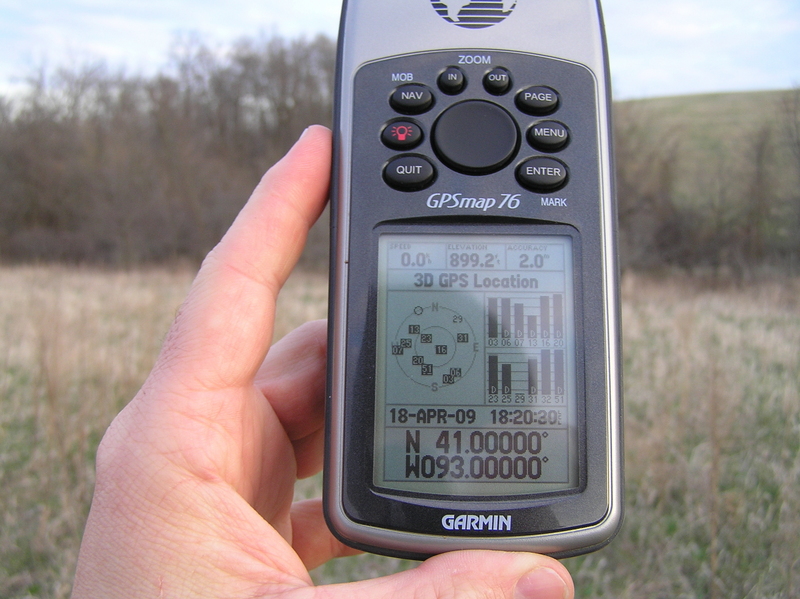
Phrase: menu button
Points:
(548, 136)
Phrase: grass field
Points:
(712, 384)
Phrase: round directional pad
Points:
(475, 137)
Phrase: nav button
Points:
(412, 98)
(409, 173)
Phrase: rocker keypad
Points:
(476, 136)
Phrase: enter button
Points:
(542, 174)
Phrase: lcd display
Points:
(475, 381)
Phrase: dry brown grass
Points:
(712, 380)
(712, 389)
(76, 345)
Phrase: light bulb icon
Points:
(402, 132)
(401, 135)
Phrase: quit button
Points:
(409, 173)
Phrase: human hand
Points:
(195, 476)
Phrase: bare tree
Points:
(646, 176)
(100, 166)
(758, 195)
(791, 125)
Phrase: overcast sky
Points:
(657, 48)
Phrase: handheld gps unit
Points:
(474, 372)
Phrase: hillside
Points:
(713, 116)
(709, 179)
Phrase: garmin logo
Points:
(476, 522)
(474, 14)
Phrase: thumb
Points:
(469, 575)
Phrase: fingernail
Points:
(542, 583)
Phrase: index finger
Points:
(224, 328)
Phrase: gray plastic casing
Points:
(568, 30)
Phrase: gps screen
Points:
(475, 377)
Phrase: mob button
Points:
(409, 173)
(542, 174)
(412, 98)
